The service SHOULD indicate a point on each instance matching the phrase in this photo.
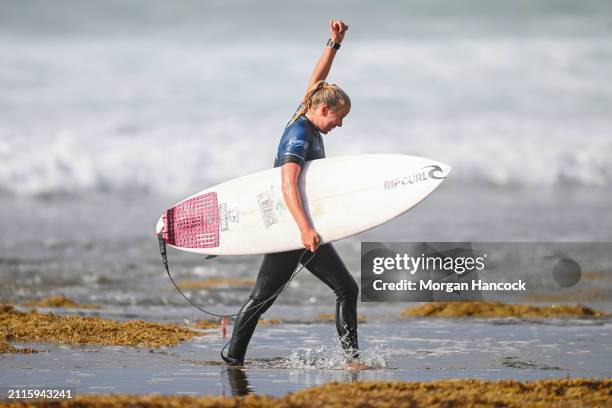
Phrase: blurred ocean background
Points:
(112, 111)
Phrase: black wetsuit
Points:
(300, 142)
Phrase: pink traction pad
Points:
(193, 223)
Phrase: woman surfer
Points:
(322, 109)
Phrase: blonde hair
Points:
(322, 93)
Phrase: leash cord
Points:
(298, 268)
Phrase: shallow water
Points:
(288, 357)
(101, 249)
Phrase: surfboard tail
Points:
(160, 227)
(192, 223)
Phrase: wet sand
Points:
(447, 393)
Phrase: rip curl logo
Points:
(432, 172)
(294, 142)
(435, 172)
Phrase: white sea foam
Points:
(167, 113)
(69, 163)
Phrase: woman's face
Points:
(331, 118)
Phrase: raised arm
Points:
(337, 29)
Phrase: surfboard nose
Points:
(446, 169)
(437, 170)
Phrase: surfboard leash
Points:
(164, 254)
(225, 318)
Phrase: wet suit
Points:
(300, 142)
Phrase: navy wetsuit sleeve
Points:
(292, 159)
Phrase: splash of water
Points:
(333, 357)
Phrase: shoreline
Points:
(290, 356)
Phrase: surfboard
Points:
(342, 196)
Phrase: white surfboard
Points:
(342, 196)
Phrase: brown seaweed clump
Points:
(7, 348)
(498, 309)
(49, 327)
(443, 393)
(330, 317)
(209, 324)
(60, 301)
(206, 324)
(577, 295)
(450, 393)
(268, 322)
(216, 283)
(597, 275)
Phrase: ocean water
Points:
(111, 112)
